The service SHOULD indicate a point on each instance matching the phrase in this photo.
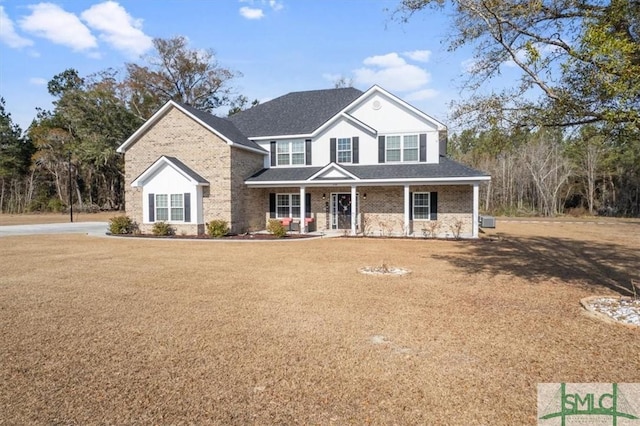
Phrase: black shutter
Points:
(442, 142)
(307, 152)
(272, 204)
(356, 150)
(411, 206)
(423, 147)
(152, 208)
(273, 153)
(332, 154)
(380, 149)
(307, 205)
(187, 207)
(433, 205)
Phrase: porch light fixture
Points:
(364, 196)
(323, 196)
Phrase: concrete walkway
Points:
(90, 228)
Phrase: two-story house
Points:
(336, 159)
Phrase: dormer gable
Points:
(332, 171)
(177, 166)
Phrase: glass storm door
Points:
(341, 209)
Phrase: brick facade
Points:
(381, 213)
(225, 167)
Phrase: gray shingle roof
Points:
(186, 169)
(444, 169)
(222, 125)
(447, 168)
(294, 113)
(284, 174)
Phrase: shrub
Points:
(217, 228)
(577, 212)
(431, 229)
(276, 228)
(456, 228)
(162, 229)
(55, 205)
(121, 225)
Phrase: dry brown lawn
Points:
(120, 331)
(37, 218)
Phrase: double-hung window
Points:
(394, 148)
(177, 207)
(344, 150)
(169, 207)
(290, 153)
(421, 206)
(410, 148)
(402, 148)
(287, 205)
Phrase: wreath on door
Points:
(344, 203)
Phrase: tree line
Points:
(69, 153)
(566, 135)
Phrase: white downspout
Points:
(476, 210)
(407, 196)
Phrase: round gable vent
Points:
(376, 105)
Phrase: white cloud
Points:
(118, 28)
(50, 21)
(392, 72)
(251, 13)
(388, 60)
(470, 65)
(275, 5)
(418, 55)
(422, 95)
(38, 81)
(256, 11)
(8, 33)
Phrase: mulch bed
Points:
(247, 236)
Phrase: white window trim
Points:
(290, 153)
(402, 148)
(289, 205)
(428, 206)
(350, 151)
(170, 218)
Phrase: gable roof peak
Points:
(222, 127)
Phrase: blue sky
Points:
(279, 46)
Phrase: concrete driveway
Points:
(90, 228)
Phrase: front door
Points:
(341, 208)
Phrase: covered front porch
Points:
(382, 200)
(391, 210)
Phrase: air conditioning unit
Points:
(487, 222)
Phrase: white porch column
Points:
(354, 209)
(303, 209)
(407, 196)
(476, 203)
